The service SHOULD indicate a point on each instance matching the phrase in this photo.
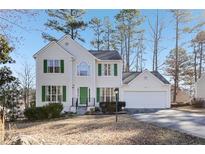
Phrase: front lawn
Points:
(99, 129)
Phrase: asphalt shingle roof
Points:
(106, 54)
(129, 76)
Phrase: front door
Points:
(83, 95)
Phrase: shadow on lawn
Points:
(27, 124)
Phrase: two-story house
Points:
(67, 72)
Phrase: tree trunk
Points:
(128, 50)
(176, 61)
(195, 63)
(72, 30)
(156, 43)
(200, 60)
(108, 40)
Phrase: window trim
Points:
(51, 94)
(107, 90)
(53, 65)
(109, 71)
(88, 71)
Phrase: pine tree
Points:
(180, 17)
(185, 69)
(68, 22)
(108, 32)
(129, 21)
(97, 26)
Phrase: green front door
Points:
(83, 95)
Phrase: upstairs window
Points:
(53, 66)
(107, 69)
(83, 69)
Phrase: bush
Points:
(198, 103)
(110, 107)
(52, 110)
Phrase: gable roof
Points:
(47, 46)
(129, 76)
(106, 54)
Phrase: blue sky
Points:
(32, 40)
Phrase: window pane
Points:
(54, 90)
(53, 98)
(83, 69)
(105, 69)
(49, 89)
(59, 98)
(57, 66)
(109, 69)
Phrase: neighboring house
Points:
(67, 72)
(200, 88)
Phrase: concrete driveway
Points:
(190, 123)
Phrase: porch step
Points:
(81, 110)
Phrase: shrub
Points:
(52, 110)
(198, 103)
(110, 107)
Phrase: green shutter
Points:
(115, 69)
(98, 94)
(99, 69)
(62, 66)
(64, 93)
(45, 66)
(43, 93)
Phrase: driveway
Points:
(190, 123)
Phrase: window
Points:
(107, 71)
(107, 94)
(53, 93)
(83, 69)
(53, 66)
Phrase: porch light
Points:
(116, 95)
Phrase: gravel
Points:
(95, 129)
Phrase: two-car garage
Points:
(146, 90)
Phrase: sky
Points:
(32, 40)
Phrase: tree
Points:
(185, 71)
(156, 32)
(6, 80)
(129, 21)
(140, 54)
(108, 32)
(117, 43)
(27, 82)
(12, 20)
(10, 94)
(5, 50)
(180, 17)
(199, 42)
(97, 26)
(66, 21)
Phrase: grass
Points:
(99, 129)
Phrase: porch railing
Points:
(83, 102)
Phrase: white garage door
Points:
(150, 99)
